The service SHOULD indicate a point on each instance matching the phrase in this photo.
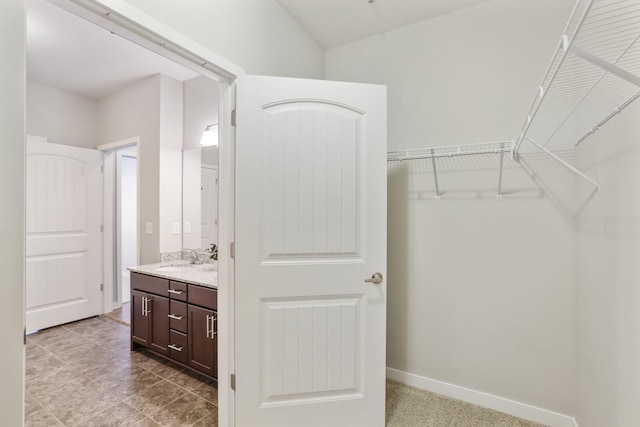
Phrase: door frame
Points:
(110, 233)
(125, 20)
(120, 154)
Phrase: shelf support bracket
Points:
(499, 195)
(565, 164)
(607, 66)
(435, 173)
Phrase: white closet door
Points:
(311, 219)
(63, 241)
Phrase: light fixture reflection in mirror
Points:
(210, 136)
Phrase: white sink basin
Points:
(170, 268)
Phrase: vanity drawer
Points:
(204, 297)
(151, 284)
(178, 316)
(178, 291)
(178, 347)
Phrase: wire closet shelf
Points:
(434, 153)
(594, 75)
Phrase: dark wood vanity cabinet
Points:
(139, 320)
(176, 320)
(149, 310)
(203, 340)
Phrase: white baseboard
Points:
(497, 403)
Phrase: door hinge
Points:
(233, 117)
(101, 228)
(101, 287)
(233, 382)
(232, 250)
(24, 334)
(101, 168)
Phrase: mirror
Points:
(199, 197)
(199, 165)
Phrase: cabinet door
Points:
(203, 340)
(139, 318)
(159, 325)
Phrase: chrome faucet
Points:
(194, 258)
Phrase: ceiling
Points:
(70, 53)
(334, 22)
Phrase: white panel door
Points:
(311, 196)
(209, 206)
(63, 248)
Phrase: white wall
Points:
(200, 109)
(12, 123)
(481, 292)
(464, 77)
(608, 291)
(152, 110)
(61, 116)
(257, 35)
(135, 111)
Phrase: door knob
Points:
(375, 278)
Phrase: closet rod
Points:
(588, 92)
(614, 113)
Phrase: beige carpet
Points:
(410, 407)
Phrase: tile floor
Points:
(84, 374)
(122, 314)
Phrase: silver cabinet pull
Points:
(174, 347)
(213, 328)
(211, 333)
(149, 300)
(173, 316)
(145, 304)
(174, 291)
(375, 278)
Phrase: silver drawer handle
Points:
(173, 291)
(173, 316)
(174, 347)
(208, 326)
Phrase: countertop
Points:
(203, 275)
